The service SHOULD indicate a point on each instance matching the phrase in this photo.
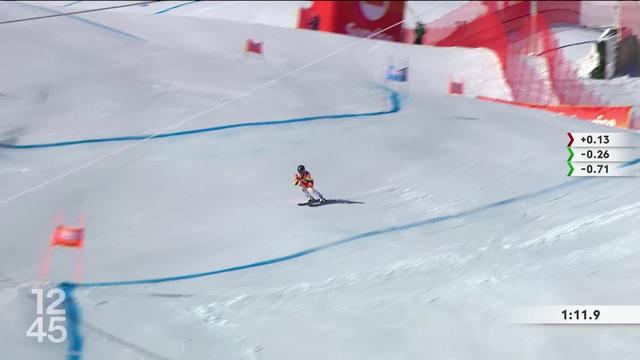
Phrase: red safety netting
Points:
(488, 31)
(533, 66)
(563, 76)
(506, 28)
(524, 73)
(441, 27)
(563, 83)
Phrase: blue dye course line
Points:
(394, 99)
(75, 341)
(92, 23)
(74, 351)
(174, 7)
(316, 249)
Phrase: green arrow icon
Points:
(569, 161)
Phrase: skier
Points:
(303, 180)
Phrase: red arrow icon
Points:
(571, 139)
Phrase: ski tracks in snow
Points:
(582, 225)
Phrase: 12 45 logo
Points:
(51, 316)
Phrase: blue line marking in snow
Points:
(632, 162)
(75, 340)
(312, 250)
(75, 343)
(72, 312)
(394, 98)
(364, 235)
(174, 7)
(108, 28)
(102, 26)
(71, 3)
(75, 346)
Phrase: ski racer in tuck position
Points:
(303, 179)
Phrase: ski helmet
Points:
(300, 168)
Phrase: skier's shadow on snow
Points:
(335, 201)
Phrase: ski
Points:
(313, 203)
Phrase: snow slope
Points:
(467, 208)
(275, 13)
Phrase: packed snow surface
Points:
(462, 208)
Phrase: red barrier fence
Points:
(487, 31)
(507, 28)
(564, 78)
(442, 27)
(615, 116)
(513, 13)
(535, 37)
(517, 39)
(528, 75)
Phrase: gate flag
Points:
(397, 74)
(65, 236)
(253, 46)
